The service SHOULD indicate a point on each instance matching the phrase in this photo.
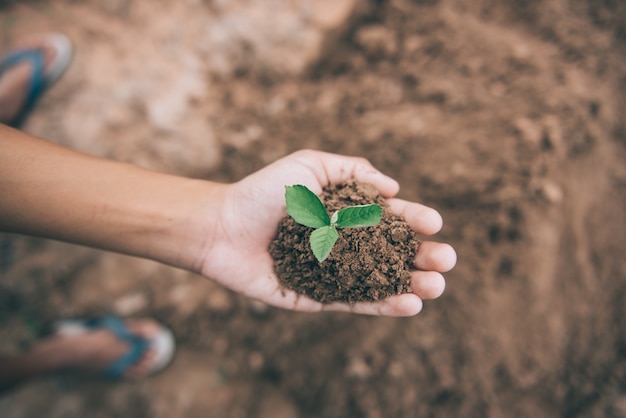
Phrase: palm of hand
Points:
(252, 208)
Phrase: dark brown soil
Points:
(366, 264)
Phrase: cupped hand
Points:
(239, 257)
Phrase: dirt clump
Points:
(366, 264)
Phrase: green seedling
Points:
(307, 209)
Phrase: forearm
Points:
(50, 191)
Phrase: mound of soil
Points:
(506, 116)
(366, 264)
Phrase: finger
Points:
(421, 219)
(333, 168)
(427, 284)
(435, 256)
(407, 304)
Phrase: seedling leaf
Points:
(322, 241)
(359, 216)
(305, 207)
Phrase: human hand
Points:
(238, 256)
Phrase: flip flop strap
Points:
(37, 83)
(137, 345)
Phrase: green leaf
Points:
(322, 241)
(305, 207)
(358, 216)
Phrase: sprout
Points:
(307, 209)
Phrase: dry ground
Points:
(507, 116)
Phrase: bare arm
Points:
(218, 230)
(51, 191)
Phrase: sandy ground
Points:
(508, 117)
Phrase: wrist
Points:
(189, 226)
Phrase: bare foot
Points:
(83, 350)
(96, 350)
(14, 82)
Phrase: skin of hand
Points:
(222, 231)
(237, 254)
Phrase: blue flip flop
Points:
(40, 79)
(162, 343)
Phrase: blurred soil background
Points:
(506, 116)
